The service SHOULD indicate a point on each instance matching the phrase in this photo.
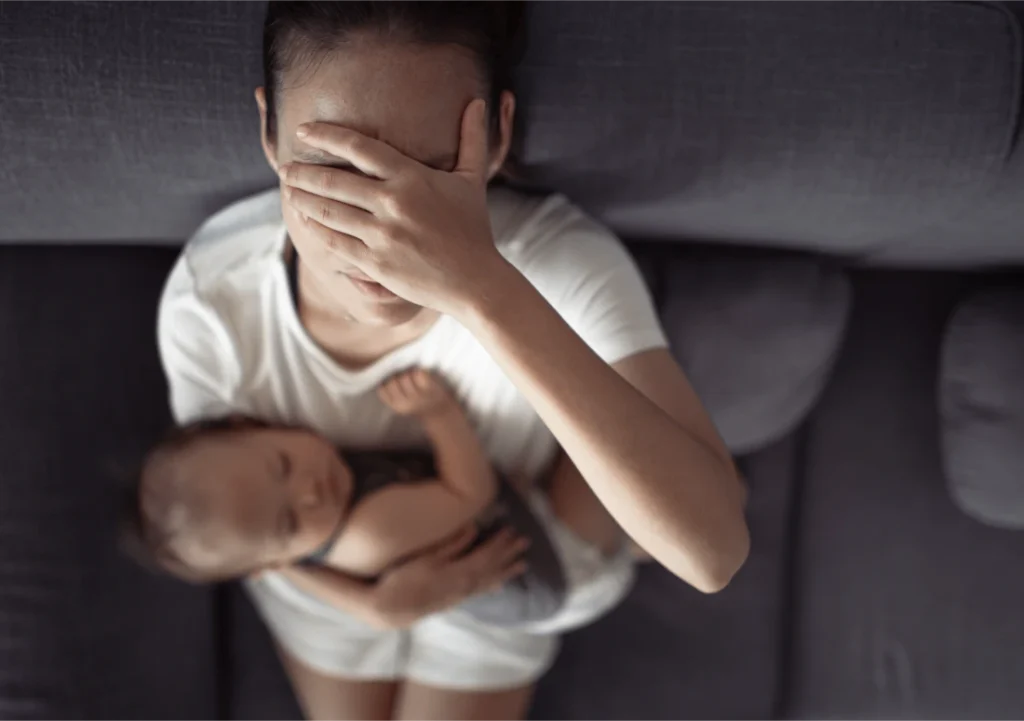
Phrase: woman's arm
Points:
(433, 581)
(661, 471)
(425, 235)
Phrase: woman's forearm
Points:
(669, 490)
(352, 595)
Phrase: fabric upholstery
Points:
(881, 131)
(84, 633)
(133, 121)
(126, 121)
(757, 338)
(255, 682)
(904, 606)
(843, 127)
(670, 652)
(981, 396)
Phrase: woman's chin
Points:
(386, 313)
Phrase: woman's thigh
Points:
(329, 697)
(418, 701)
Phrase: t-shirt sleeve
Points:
(586, 273)
(197, 353)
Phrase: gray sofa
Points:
(828, 200)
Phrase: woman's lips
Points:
(373, 290)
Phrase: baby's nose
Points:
(310, 495)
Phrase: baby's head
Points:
(224, 498)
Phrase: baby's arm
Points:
(402, 519)
(463, 468)
(432, 581)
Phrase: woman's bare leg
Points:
(329, 697)
(427, 703)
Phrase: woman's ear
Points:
(269, 149)
(506, 126)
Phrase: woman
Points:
(383, 249)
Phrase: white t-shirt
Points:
(231, 341)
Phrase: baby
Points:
(225, 498)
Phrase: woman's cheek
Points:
(309, 247)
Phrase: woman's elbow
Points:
(723, 565)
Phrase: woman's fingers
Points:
(473, 142)
(344, 186)
(371, 157)
(408, 385)
(456, 546)
(514, 571)
(341, 217)
(514, 550)
(341, 228)
(347, 247)
(492, 559)
(386, 393)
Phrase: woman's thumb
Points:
(473, 145)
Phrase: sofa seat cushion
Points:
(84, 633)
(904, 608)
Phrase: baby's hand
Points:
(417, 393)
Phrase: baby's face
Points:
(261, 497)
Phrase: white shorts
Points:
(451, 649)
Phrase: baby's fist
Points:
(416, 393)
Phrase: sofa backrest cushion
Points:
(833, 126)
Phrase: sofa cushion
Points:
(670, 652)
(756, 336)
(836, 126)
(126, 121)
(84, 633)
(981, 394)
(904, 608)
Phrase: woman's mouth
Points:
(372, 290)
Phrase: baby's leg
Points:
(579, 509)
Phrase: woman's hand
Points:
(423, 234)
(443, 577)
(431, 582)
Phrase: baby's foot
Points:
(417, 393)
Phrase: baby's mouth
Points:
(334, 492)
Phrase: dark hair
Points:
(146, 539)
(299, 32)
